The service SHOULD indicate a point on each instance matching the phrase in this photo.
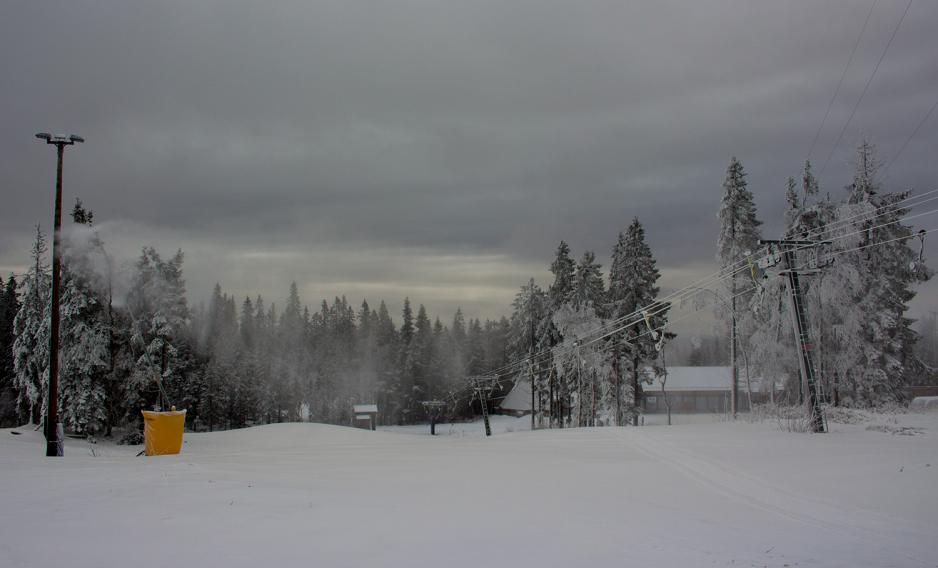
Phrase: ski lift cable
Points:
(865, 88)
(735, 269)
(694, 292)
(653, 331)
(870, 215)
(507, 369)
(920, 233)
(719, 275)
(909, 139)
(840, 83)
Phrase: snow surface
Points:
(924, 403)
(701, 493)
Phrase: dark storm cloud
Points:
(382, 149)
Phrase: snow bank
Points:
(922, 403)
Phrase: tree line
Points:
(243, 361)
(857, 287)
(232, 364)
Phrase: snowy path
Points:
(711, 494)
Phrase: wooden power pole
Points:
(799, 318)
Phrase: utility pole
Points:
(616, 367)
(54, 440)
(482, 387)
(799, 322)
(579, 386)
(531, 361)
(531, 377)
(734, 390)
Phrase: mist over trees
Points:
(234, 363)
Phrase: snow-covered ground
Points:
(701, 493)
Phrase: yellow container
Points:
(162, 432)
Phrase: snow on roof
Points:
(364, 408)
(519, 398)
(700, 379)
(679, 379)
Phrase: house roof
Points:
(699, 379)
(680, 379)
(519, 398)
(365, 408)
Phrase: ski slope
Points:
(701, 493)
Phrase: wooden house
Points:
(365, 416)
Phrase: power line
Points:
(841, 82)
(865, 87)
(909, 139)
(652, 310)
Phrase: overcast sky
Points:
(441, 149)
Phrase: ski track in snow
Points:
(767, 497)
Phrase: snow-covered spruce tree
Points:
(295, 360)
(156, 304)
(263, 340)
(633, 278)
(246, 409)
(739, 234)
(527, 318)
(563, 269)
(439, 366)
(31, 335)
(84, 358)
(221, 380)
(869, 290)
(388, 371)
(402, 396)
(9, 306)
(578, 367)
(366, 378)
(416, 363)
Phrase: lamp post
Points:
(53, 434)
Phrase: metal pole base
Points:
(55, 447)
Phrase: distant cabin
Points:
(365, 416)
(698, 390)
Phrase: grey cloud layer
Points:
(348, 137)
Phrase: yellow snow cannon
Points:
(162, 431)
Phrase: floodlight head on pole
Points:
(59, 139)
